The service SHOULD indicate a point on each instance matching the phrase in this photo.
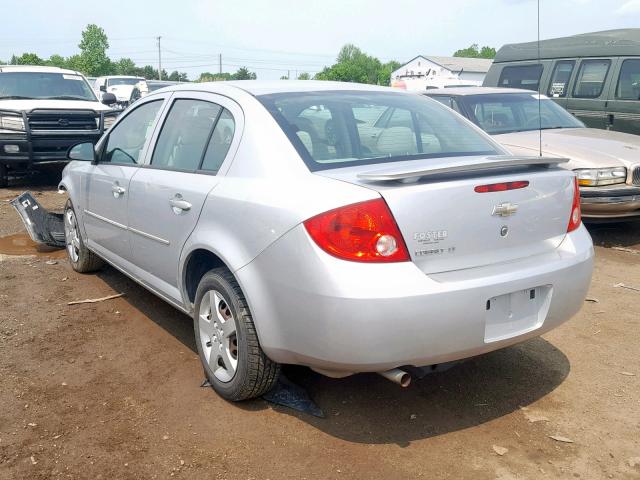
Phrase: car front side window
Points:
(521, 76)
(127, 139)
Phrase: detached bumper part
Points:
(42, 225)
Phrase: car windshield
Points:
(516, 112)
(43, 85)
(333, 129)
(122, 81)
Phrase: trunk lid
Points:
(447, 225)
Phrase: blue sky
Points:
(271, 37)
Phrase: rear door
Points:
(107, 189)
(168, 193)
(623, 105)
(589, 91)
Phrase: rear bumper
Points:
(610, 202)
(312, 309)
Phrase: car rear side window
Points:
(591, 78)
(629, 81)
(521, 76)
(185, 135)
(127, 139)
(220, 142)
(559, 85)
(332, 129)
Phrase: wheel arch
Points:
(195, 265)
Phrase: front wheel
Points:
(226, 338)
(81, 258)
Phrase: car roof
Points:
(36, 69)
(265, 87)
(463, 91)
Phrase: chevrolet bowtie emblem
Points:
(505, 209)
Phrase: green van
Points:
(596, 76)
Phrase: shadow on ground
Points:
(615, 234)
(366, 408)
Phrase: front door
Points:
(623, 107)
(167, 195)
(105, 214)
(589, 92)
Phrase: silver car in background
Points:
(344, 227)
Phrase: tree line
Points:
(352, 64)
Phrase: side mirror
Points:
(103, 88)
(83, 152)
(109, 98)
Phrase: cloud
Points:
(630, 7)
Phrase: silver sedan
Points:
(343, 227)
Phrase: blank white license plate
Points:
(516, 313)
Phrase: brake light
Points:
(501, 187)
(361, 232)
(576, 215)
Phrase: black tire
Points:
(87, 261)
(4, 176)
(255, 373)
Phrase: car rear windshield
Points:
(516, 112)
(39, 85)
(332, 129)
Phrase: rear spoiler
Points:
(468, 164)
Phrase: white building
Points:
(428, 71)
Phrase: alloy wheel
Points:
(218, 336)
(71, 234)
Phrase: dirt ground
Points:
(112, 390)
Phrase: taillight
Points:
(576, 215)
(501, 187)
(361, 232)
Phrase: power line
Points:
(285, 52)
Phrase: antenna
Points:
(539, 89)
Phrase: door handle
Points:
(117, 190)
(178, 205)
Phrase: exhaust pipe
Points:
(398, 376)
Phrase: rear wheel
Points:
(227, 342)
(81, 258)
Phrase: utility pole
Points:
(159, 60)
(220, 63)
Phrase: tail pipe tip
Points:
(398, 376)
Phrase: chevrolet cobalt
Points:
(344, 227)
